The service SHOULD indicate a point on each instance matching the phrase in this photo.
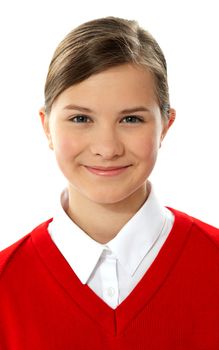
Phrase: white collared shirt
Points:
(112, 270)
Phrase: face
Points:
(106, 132)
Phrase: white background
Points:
(187, 173)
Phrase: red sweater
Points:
(44, 306)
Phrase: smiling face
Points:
(106, 132)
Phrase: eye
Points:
(81, 119)
(132, 119)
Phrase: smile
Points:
(107, 171)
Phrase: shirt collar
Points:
(139, 234)
(130, 245)
(80, 250)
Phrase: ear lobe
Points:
(169, 122)
(45, 124)
(161, 139)
(172, 117)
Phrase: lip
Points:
(107, 171)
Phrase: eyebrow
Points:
(87, 110)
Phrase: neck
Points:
(100, 221)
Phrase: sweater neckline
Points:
(113, 320)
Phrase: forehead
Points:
(118, 85)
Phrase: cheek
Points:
(66, 147)
(146, 148)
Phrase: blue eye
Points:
(132, 119)
(80, 119)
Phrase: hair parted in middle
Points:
(100, 44)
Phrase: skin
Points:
(107, 154)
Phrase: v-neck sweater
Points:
(43, 304)
(112, 270)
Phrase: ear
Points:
(45, 123)
(168, 123)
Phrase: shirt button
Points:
(111, 291)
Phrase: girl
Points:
(113, 269)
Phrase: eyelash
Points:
(80, 119)
(77, 118)
(134, 117)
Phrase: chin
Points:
(103, 197)
(111, 197)
(106, 199)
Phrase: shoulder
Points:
(7, 254)
(197, 226)
(207, 230)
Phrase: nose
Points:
(107, 144)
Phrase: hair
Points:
(100, 44)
